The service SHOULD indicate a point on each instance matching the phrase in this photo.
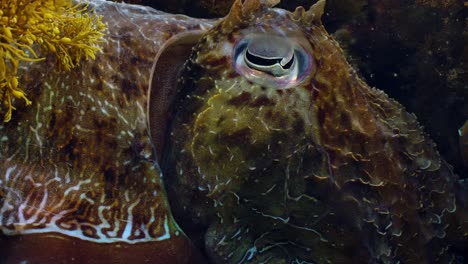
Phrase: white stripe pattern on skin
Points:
(79, 161)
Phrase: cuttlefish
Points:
(250, 141)
(277, 152)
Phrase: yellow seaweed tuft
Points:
(31, 29)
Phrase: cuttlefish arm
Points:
(78, 179)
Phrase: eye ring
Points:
(272, 61)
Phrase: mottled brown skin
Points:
(313, 173)
(78, 179)
(328, 171)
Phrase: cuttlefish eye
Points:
(275, 58)
(272, 61)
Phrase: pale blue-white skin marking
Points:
(25, 147)
(23, 221)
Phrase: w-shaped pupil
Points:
(267, 62)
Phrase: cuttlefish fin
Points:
(463, 140)
(163, 80)
(313, 15)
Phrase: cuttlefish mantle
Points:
(78, 179)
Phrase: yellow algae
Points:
(32, 29)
